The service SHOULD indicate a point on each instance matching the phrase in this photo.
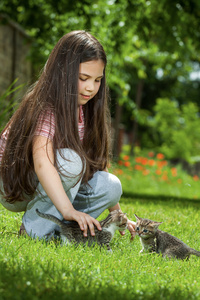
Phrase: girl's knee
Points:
(114, 190)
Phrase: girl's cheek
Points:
(98, 87)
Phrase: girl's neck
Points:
(79, 110)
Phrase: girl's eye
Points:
(145, 230)
(84, 79)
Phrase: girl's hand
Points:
(84, 221)
(131, 228)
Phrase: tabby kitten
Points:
(155, 240)
(71, 232)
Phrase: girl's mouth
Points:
(85, 96)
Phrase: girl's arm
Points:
(49, 178)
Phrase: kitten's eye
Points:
(137, 228)
(145, 230)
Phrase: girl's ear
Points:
(137, 217)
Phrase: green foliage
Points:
(139, 34)
(157, 42)
(178, 128)
(7, 103)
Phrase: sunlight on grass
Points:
(32, 269)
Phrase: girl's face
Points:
(90, 75)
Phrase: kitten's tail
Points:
(49, 217)
(194, 252)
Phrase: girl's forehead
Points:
(92, 68)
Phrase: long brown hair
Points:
(57, 90)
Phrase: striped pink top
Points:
(46, 128)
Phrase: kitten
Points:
(155, 240)
(71, 232)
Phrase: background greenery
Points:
(153, 53)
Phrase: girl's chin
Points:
(83, 101)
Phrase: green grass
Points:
(38, 270)
(31, 269)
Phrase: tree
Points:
(150, 44)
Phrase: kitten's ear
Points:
(137, 217)
(156, 224)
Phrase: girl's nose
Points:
(90, 86)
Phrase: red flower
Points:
(144, 161)
(158, 172)
(161, 164)
(151, 162)
(151, 154)
(174, 172)
(120, 162)
(126, 157)
(164, 177)
(127, 163)
(138, 159)
(138, 168)
(118, 172)
(196, 178)
(160, 156)
(145, 172)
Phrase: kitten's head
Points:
(146, 228)
(118, 218)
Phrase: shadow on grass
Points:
(129, 197)
(18, 284)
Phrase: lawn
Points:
(37, 270)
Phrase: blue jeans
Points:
(102, 192)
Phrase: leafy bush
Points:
(7, 103)
(178, 128)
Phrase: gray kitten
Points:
(155, 240)
(71, 232)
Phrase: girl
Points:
(54, 151)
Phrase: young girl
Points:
(54, 151)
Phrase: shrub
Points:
(178, 128)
